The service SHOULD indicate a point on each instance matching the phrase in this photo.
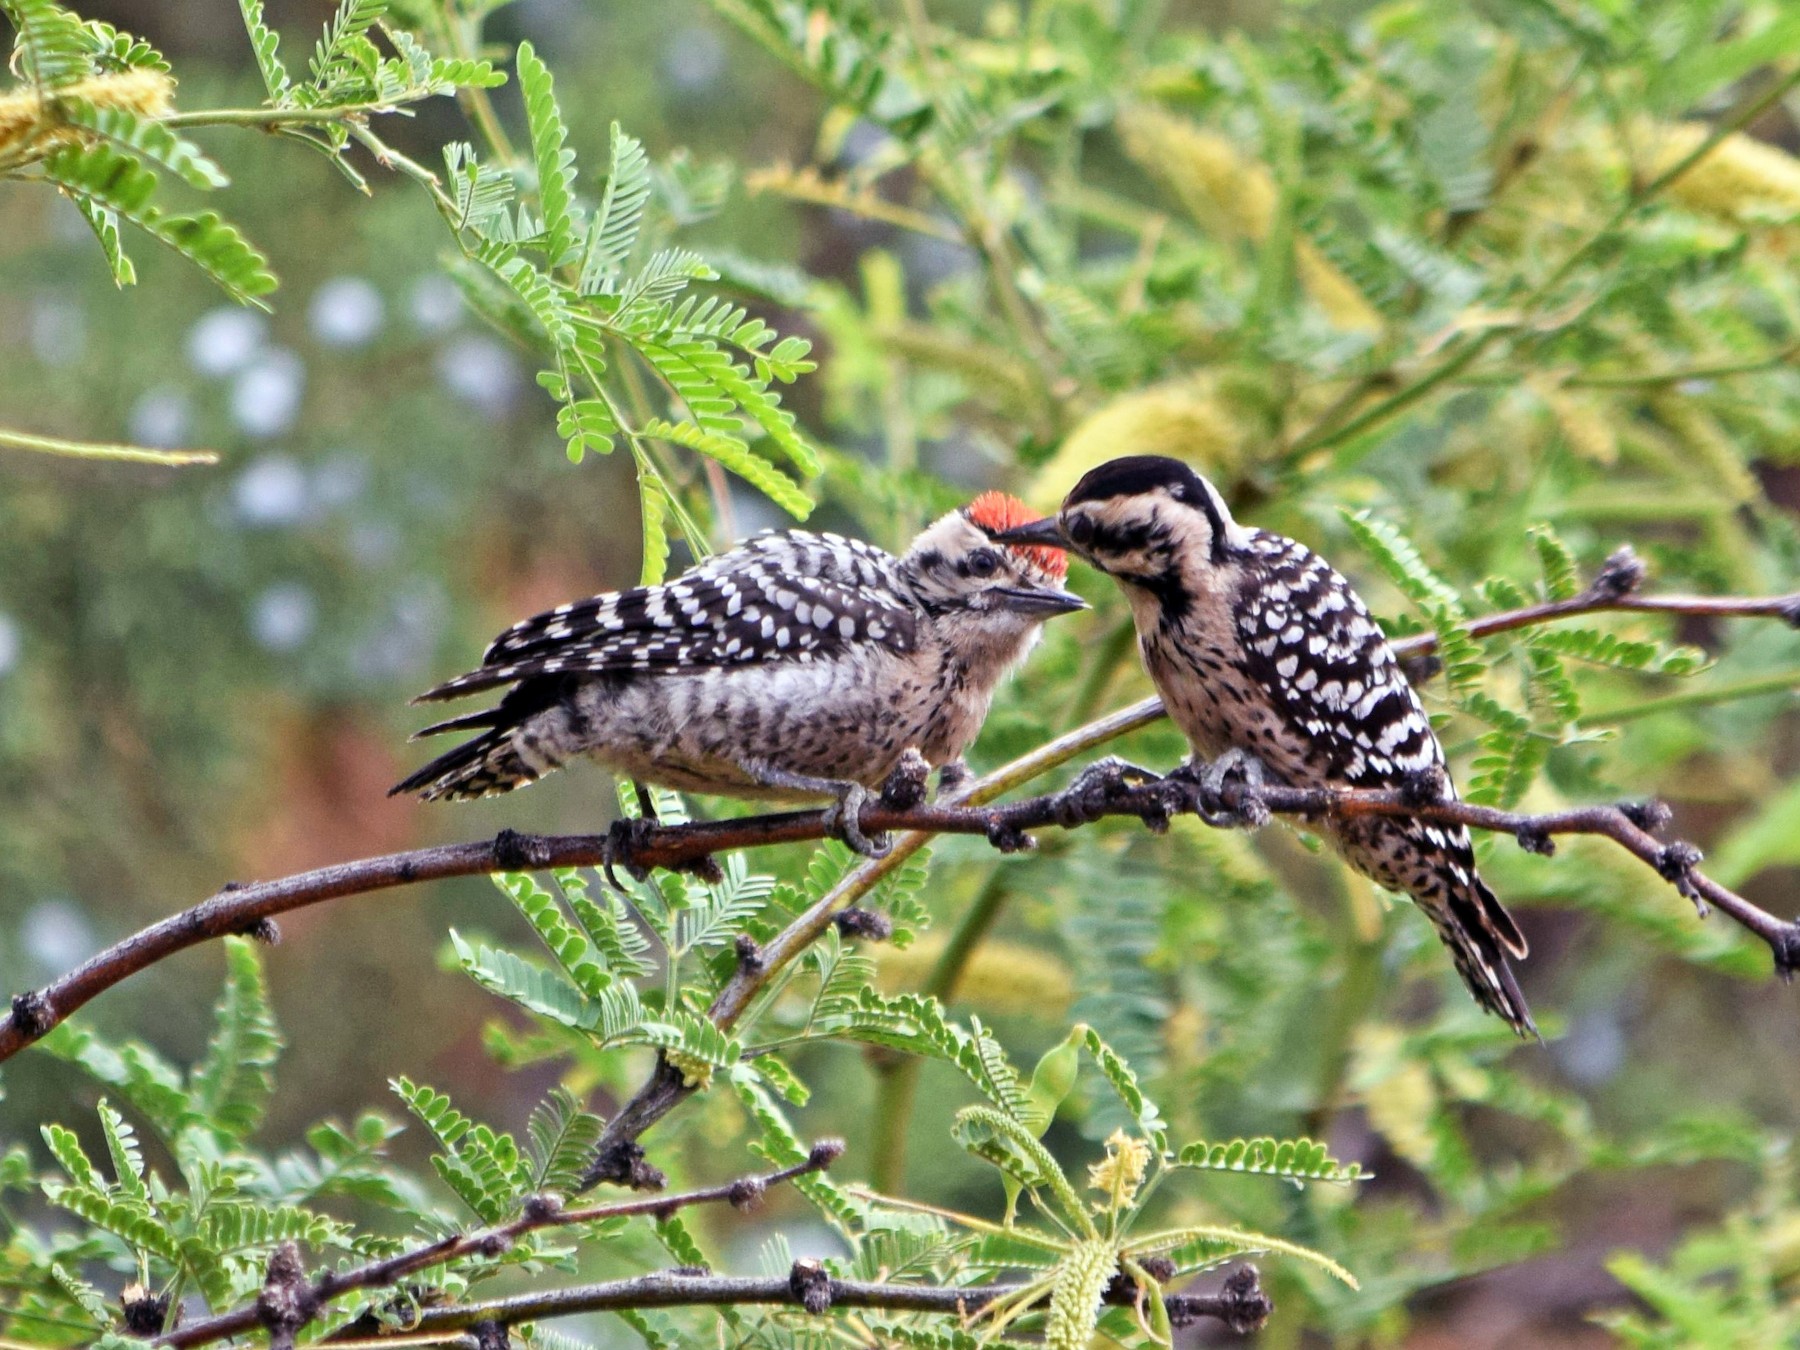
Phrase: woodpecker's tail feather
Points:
(491, 763)
(1469, 929)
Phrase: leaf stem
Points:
(129, 454)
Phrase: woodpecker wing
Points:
(1311, 642)
(781, 596)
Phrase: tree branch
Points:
(538, 1212)
(1241, 1305)
(251, 909)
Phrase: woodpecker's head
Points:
(958, 568)
(1146, 520)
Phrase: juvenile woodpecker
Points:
(796, 665)
(1270, 663)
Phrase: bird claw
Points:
(1200, 787)
(842, 821)
(1087, 798)
(623, 840)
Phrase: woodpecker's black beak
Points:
(1045, 533)
(1023, 600)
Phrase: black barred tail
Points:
(491, 763)
(1471, 929)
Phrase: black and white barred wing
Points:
(1310, 641)
(781, 596)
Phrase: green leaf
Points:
(1181, 1242)
(128, 1162)
(1125, 1083)
(264, 42)
(1297, 1159)
(540, 293)
(233, 1084)
(555, 161)
(998, 1138)
(1561, 579)
(653, 505)
(618, 942)
(149, 140)
(1399, 557)
(614, 231)
(567, 945)
(52, 48)
(530, 986)
(562, 1141)
(735, 455)
(105, 224)
(338, 46)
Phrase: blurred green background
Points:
(204, 676)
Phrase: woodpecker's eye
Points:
(983, 562)
(1080, 530)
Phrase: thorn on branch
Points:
(905, 786)
(287, 1302)
(515, 852)
(1007, 837)
(1786, 948)
(746, 1193)
(1535, 839)
(493, 1245)
(1649, 816)
(146, 1314)
(1241, 1305)
(1676, 863)
(867, 924)
(1620, 575)
(264, 930)
(810, 1286)
(749, 955)
(623, 1164)
(32, 1014)
(541, 1208)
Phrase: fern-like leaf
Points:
(555, 161)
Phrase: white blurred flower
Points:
(58, 329)
(224, 341)
(345, 312)
(271, 491)
(434, 303)
(480, 372)
(339, 481)
(283, 616)
(56, 935)
(160, 417)
(265, 400)
(9, 644)
(694, 59)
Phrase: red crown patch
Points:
(996, 511)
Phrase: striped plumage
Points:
(1260, 647)
(795, 665)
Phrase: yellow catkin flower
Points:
(1075, 1297)
(1000, 977)
(1185, 420)
(1584, 424)
(1711, 456)
(1741, 178)
(28, 118)
(695, 1072)
(1231, 194)
(1121, 1171)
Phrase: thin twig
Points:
(249, 909)
(539, 1212)
(130, 454)
(1241, 1305)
